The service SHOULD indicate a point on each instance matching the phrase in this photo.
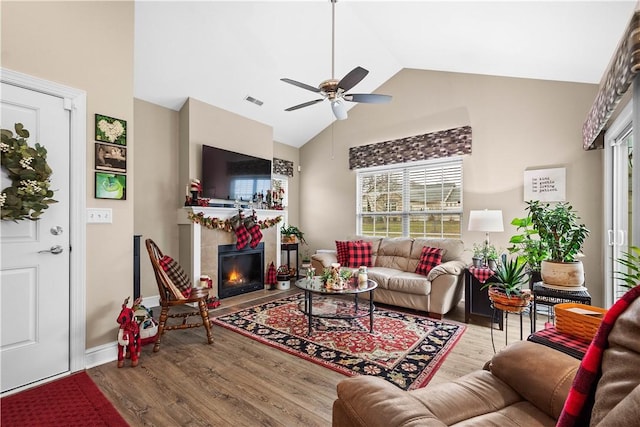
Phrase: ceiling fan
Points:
(335, 90)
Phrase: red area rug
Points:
(405, 349)
(71, 401)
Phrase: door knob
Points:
(57, 249)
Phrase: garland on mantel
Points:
(226, 224)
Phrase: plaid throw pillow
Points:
(342, 249)
(429, 258)
(359, 254)
(177, 276)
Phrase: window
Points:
(412, 201)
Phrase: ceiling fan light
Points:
(339, 110)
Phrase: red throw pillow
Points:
(359, 254)
(429, 258)
(342, 250)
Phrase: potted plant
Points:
(505, 292)
(478, 255)
(563, 235)
(492, 256)
(290, 233)
(528, 246)
(631, 262)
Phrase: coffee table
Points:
(314, 286)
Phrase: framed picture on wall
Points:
(111, 158)
(109, 129)
(111, 186)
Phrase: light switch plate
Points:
(99, 216)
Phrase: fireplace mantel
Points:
(190, 235)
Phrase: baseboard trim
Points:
(101, 354)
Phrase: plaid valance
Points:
(618, 78)
(441, 144)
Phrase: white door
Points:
(35, 280)
(619, 217)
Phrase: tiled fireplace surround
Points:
(199, 245)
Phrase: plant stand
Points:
(551, 297)
(498, 312)
(288, 248)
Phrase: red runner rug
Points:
(405, 349)
(71, 401)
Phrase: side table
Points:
(476, 300)
(288, 248)
(551, 297)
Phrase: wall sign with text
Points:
(546, 185)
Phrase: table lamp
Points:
(487, 221)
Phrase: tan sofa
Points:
(526, 384)
(394, 263)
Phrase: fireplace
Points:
(240, 271)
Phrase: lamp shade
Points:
(486, 220)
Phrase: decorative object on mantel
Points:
(193, 193)
(29, 194)
(225, 224)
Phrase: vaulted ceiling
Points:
(220, 52)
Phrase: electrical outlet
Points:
(99, 216)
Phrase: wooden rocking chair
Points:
(170, 297)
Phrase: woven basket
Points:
(579, 325)
(512, 304)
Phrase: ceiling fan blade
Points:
(302, 85)
(369, 98)
(353, 78)
(306, 104)
(338, 109)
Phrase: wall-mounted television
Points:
(233, 176)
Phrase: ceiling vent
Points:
(253, 100)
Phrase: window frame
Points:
(406, 213)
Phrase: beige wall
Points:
(209, 125)
(88, 46)
(517, 124)
(156, 184)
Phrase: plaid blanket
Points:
(577, 408)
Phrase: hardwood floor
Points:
(237, 381)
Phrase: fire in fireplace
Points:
(240, 271)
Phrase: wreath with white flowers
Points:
(29, 194)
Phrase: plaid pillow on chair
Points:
(359, 253)
(429, 258)
(177, 276)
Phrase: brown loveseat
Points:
(394, 261)
(526, 384)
